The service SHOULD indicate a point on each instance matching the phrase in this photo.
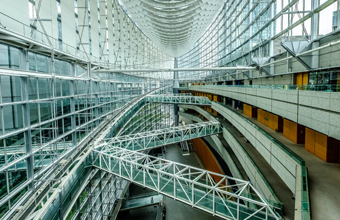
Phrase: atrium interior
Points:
(169, 109)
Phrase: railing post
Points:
(238, 208)
(193, 194)
(158, 182)
(100, 161)
(214, 206)
(174, 171)
(120, 167)
(131, 170)
(144, 177)
(110, 164)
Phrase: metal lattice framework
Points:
(173, 25)
(172, 99)
(158, 138)
(208, 191)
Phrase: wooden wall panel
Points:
(207, 157)
(305, 78)
(293, 131)
(248, 110)
(286, 124)
(299, 79)
(310, 140)
(321, 146)
(217, 98)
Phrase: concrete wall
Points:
(250, 168)
(317, 110)
(274, 80)
(17, 10)
(329, 55)
(279, 160)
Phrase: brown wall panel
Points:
(286, 125)
(293, 131)
(299, 79)
(207, 158)
(216, 98)
(247, 110)
(321, 146)
(310, 140)
(305, 78)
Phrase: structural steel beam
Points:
(202, 189)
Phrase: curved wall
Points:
(317, 110)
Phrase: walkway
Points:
(323, 178)
(197, 187)
(158, 138)
(184, 100)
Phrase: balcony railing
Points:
(322, 88)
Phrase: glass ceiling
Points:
(173, 25)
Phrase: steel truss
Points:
(202, 189)
(157, 138)
(189, 100)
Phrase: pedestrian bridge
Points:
(220, 195)
(178, 99)
(166, 136)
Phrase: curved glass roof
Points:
(173, 25)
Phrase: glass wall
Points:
(244, 30)
(43, 115)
